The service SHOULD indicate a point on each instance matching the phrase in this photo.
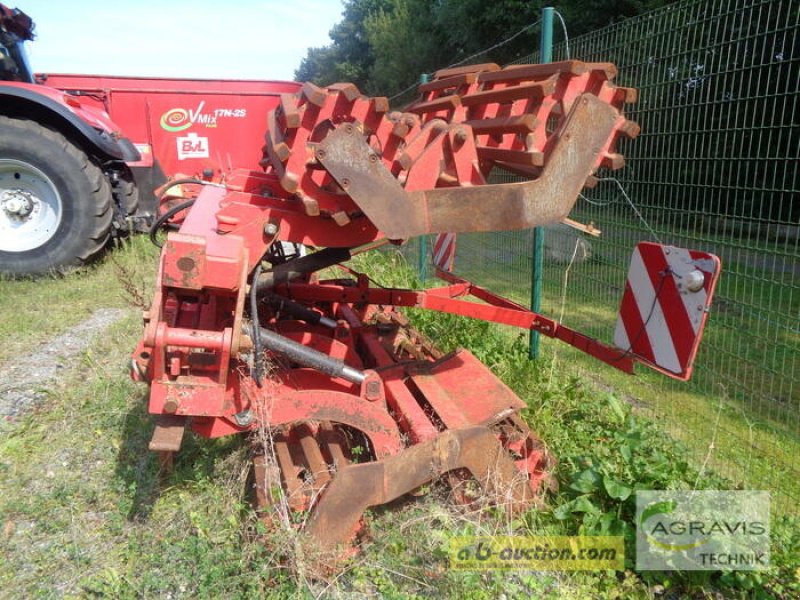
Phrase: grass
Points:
(35, 310)
(84, 511)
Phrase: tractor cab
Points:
(15, 29)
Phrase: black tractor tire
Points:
(125, 192)
(54, 181)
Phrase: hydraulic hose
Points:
(166, 217)
(175, 209)
(298, 311)
(258, 352)
(186, 180)
(308, 357)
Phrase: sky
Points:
(238, 39)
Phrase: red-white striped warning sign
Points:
(665, 306)
(444, 251)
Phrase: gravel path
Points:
(24, 381)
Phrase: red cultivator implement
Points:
(361, 408)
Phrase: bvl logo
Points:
(192, 146)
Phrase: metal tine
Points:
(452, 72)
(518, 73)
(519, 157)
(532, 91)
(317, 465)
(513, 124)
(332, 442)
(439, 85)
(291, 114)
(289, 471)
(441, 103)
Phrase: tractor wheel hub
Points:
(31, 207)
(18, 204)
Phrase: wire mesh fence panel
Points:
(715, 169)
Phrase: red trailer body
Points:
(183, 126)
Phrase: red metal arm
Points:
(447, 300)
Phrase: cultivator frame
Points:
(358, 406)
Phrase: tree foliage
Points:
(405, 42)
(349, 56)
(384, 45)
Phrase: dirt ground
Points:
(27, 380)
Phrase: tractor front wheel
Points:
(55, 203)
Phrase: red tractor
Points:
(81, 156)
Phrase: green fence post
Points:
(545, 56)
(422, 259)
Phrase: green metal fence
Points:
(715, 168)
